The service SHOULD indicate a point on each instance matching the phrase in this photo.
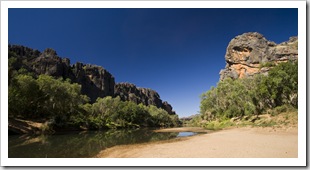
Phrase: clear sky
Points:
(176, 52)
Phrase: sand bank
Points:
(231, 143)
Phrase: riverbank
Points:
(246, 142)
(19, 126)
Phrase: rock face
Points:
(250, 53)
(166, 106)
(95, 80)
(129, 92)
(50, 64)
(24, 52)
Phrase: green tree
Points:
(24, 97)
(252, 96)
(284, 83)
(61, 98)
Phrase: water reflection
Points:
(80, 144)
(183, 134)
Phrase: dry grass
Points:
(288, 119)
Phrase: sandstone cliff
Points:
(251, 53)
(95, 80)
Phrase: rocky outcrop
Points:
(129, 92)
(251, 53)
(50, 64)
(166, 106)
(24, 52)
(95, 80)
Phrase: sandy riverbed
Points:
(231, 143)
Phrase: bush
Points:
(267, 64)
(254, 95)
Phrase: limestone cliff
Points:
(95, 80)
(251, 53)
(129, 92)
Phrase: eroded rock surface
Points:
(146, 96)
(95, 80)
(250, 53)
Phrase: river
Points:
(82, 144)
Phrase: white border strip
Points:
(300, 161)
(4, 84)
(152, 4)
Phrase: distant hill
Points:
(189, 117)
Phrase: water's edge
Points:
(83, 144)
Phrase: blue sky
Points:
(176, 52)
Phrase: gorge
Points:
(95, 81)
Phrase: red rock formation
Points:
(251, 53)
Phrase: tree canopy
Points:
(253, 95)
(61, 103)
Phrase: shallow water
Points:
(81, 144)
(184, 134)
